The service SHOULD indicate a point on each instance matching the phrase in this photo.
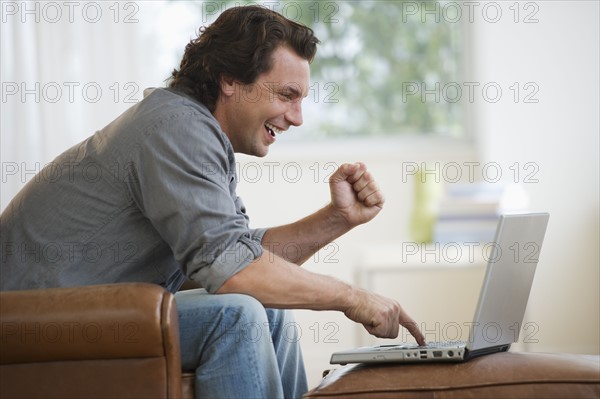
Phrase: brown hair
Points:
(239, 45)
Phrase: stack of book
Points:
(468, 213)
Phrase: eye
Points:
(290, 96)
(287, 96)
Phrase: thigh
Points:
(225, 339)
(218, 323)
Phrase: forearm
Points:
(297, 242)
(278, 283)
(355, 199)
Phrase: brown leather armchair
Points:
(104, 341)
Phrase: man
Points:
(151, 197)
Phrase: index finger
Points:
(413, 329)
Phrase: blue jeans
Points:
(239, 349)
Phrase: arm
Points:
(277, 282)
(355, 199)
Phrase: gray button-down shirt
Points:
(150, 198)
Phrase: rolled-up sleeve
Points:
(183, 179)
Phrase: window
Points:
(385, 68)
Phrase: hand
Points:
(354, 194)
(381, 316)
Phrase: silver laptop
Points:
(501, 306)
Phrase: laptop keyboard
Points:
(443, 344)
(430, 345)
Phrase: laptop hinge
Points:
(486, 351)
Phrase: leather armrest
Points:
(93, 322)
(105, 340)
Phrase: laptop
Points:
(501, 307)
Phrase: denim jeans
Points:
(239, 349)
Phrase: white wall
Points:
(559, 134)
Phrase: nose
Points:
(294, 113)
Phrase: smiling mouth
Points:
(272, 129)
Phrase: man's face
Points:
(253, 115)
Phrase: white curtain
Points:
(69, 68)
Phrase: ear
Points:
(228, 86)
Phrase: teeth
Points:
(273, 128)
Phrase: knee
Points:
(280, 317)
(282, 324)
(248, 309)
(202, 310)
